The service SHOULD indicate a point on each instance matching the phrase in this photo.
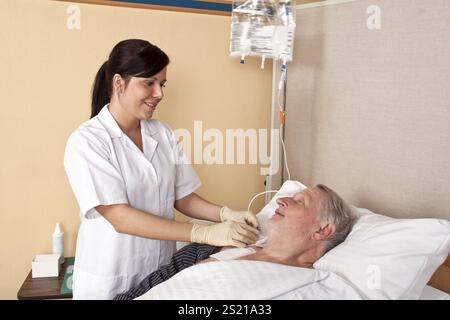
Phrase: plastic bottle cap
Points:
(57, 229)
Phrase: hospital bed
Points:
(382, 258)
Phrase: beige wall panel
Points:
(369, 110)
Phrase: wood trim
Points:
(447, 262)
(441, 278)
(151, 6)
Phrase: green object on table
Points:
(66, 287)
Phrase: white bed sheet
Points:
(430, 293)
(257, 280)
(252, 280)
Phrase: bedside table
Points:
(43, 288)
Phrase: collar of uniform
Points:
(147, 129)
(109, 122)
(113, 128)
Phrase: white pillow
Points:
(385, 258)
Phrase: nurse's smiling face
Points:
(140, 96)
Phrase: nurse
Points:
(128, 173)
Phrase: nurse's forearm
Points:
(195, 206)
(128, 220)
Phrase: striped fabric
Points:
(182, 259)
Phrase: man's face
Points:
(297, 216)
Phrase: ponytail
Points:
(100, 91)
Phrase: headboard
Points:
(368, 104)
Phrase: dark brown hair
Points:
(128, 58)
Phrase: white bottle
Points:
(58, 242)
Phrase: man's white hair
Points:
(337, 212)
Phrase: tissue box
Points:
(45, 265)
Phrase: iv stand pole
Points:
(269, 182)
(283, 125)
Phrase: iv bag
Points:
(263, 28)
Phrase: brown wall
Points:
(45, 93)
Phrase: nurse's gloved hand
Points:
(228, 233)
(239, 216)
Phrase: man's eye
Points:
(149, 83)
(163, 85)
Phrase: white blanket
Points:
(251, 280)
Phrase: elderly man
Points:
(302, 229)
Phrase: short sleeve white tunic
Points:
(105, 167)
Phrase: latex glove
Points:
(239, 216)
(228, 233)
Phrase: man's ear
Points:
(324, 232)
